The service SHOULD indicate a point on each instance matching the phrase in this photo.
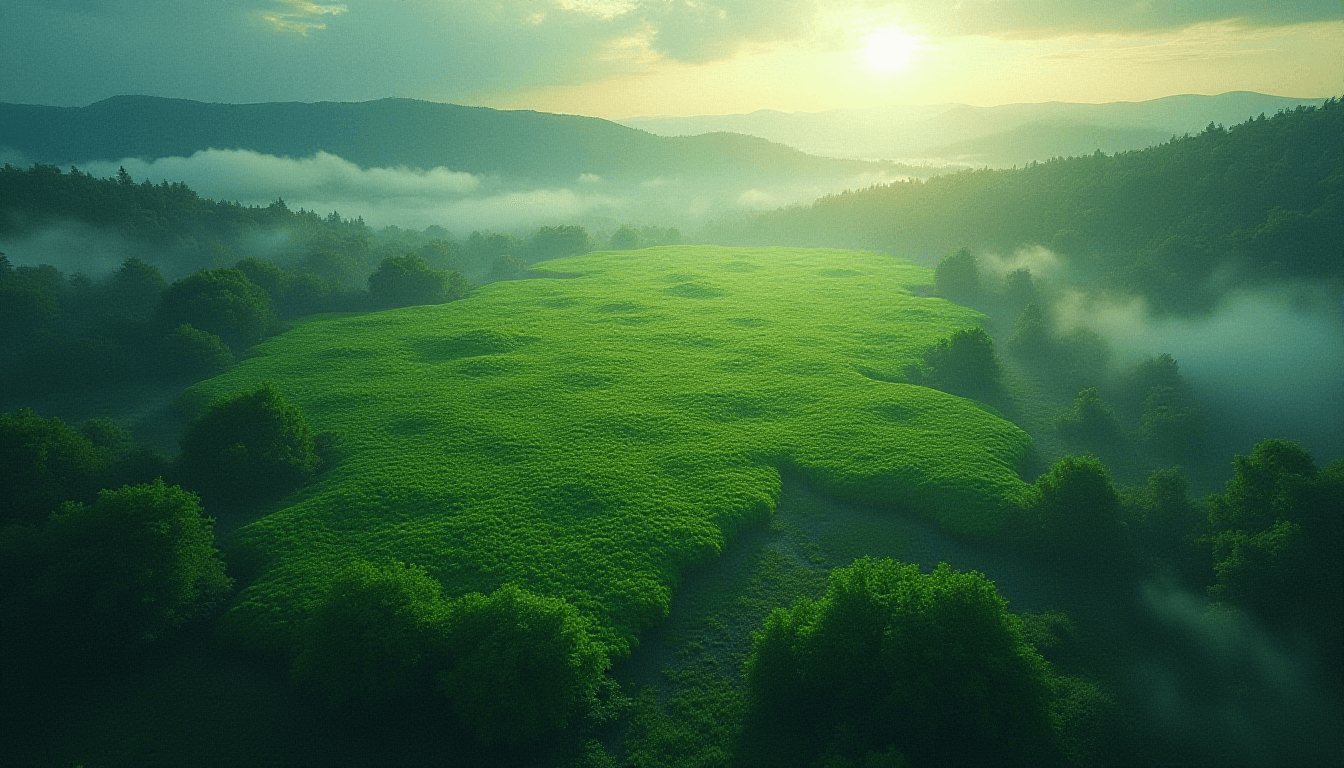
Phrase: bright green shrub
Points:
(521, 665)
(375, 636)
(248, 446)
(889, 660)
(587, 439)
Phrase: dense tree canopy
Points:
(112, 575)
(930, 666)
(1278, 535)
(247, 447)
(1178, 223)
(219, 301)
(402, 281)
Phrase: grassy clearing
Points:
(589, 438)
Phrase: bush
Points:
(523, 666)
(1277, 535)
(930, 666)
(45, 463)
(197, 354)
(516, 668)
(219, 301)
(248, 447)
(964, 365)
(373, 637)
(116, 574)
(957, 277)
(1091, 421)
(1074, 510)
(403, 281)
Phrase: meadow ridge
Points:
(589, 438)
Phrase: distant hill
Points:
(996, 136)
(1179, 223)
(530, 147)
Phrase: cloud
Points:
(301, 18)
(1033, 18)
(251, 177)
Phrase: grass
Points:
(591, 438)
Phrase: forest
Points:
(847, 484)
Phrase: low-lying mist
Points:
(1265, 363)
(463, 202)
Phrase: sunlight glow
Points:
(890, 50)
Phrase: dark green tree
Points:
(219, 301)
(1091, 422)
(624, 239)
(1278, 536)
(891, 661)
(135, 289)
(196, 354)
(963, 364)
(507, 268)
(1074, 511)
(523, 666)
(45, 463)
(375, 637)
(555, 242)
(248, 447)
(402, 281)
(957, 277)
(115, 574)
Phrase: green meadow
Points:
(588, 438)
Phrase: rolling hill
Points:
(524, 146)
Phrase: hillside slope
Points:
(590, 438)
(1178, 224)
(524, 145)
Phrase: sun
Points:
(890, 50)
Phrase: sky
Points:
(624, 58)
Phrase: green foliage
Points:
(375, 636)
(505, 267)
(1278, 535)
(1091, 421)
(963, 364)
(624, 239)
(930, 666)
(197, 354)
(247, 447)
(957, 277)
(219, 301)
(516, 668)
(115, 574)
(588, 439)
(45, 463)
(1074, 510)
(402, 281)
(1167, 527)
(522, 666)
(1202, 214)
(558, 242)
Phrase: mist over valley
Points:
(912, 385)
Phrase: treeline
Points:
(247, 270)
(1259, 201)
(63, 333)
(179, 231)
